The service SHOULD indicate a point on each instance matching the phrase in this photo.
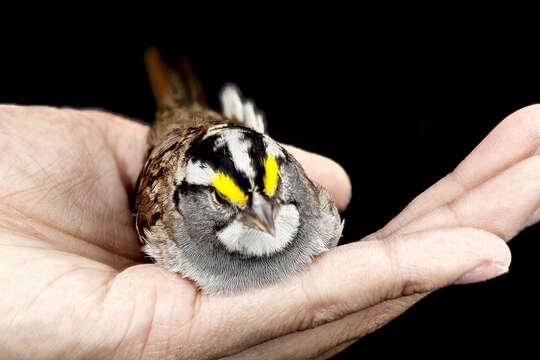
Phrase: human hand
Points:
(73, 285)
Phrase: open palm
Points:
(74, 285)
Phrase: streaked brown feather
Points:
(182, 115)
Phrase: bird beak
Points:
(261, 214)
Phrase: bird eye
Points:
(216, 196)
(226, 187)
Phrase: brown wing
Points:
(150, 185)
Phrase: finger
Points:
(326, 172)
(451, 187)
(514, 139)
(331, 338)
(376, 271)
(127, 141)
(503, 205)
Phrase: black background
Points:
(395, 132)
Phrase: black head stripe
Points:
(216, 152)
(257, 153)
(219, 158)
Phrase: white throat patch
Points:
(249, 241)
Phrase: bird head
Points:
(236, 182)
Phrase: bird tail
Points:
(174, 83)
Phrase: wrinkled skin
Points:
(74, 286)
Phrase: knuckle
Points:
(373, 318)
(319, 309)
(401, 277)
(324, 315)
(394, 272)
(390, 247)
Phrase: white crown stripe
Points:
(199, 173)
(239, 149)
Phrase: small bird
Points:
(218, 200)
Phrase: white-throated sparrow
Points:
(219, 201)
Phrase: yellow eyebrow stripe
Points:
(228, 188)
(271, 175)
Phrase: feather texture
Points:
(195, 205)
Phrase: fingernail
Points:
(482, 273)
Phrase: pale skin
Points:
(74, 286)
